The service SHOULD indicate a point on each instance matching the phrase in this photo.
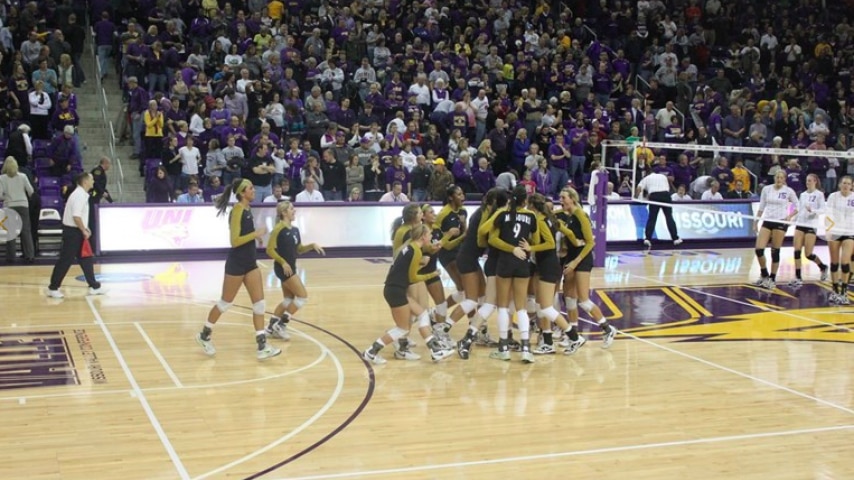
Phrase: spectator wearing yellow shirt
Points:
(275, 9)
(740, 174)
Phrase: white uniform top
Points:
(77, 206)
(810, 205)
(655, 183)
(840, 214)
(774, 203)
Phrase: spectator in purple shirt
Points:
(558, 158)
(683, 172)
(578, 143)
(104, 31)
(396, 173)
(722, 172)
(795, 177)
(483, 177)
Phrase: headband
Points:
(244, 184)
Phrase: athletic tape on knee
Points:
(834, 267)
(798, 255)
(397, 333)
(300, 302)
(571, 304)
(548, 313)
(222, 305)
(424, 319)
(468, 306)
(587, 305)
(775, 255)
(760, 253)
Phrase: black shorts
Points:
(549, 269)
(239, 267)
(432, 280)
(447, 257)
(280, 272)
(468, 262)
(840, 238)
(511, 267)
(805, 230)
(490, 267)
(586, 263)
(395, 296)
(770, 225)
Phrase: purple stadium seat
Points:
(46, 181)
(52, 201)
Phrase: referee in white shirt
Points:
(74, 231)
(657, 188)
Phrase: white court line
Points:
(159, 357)
(339, 387)
(288, 373)
(577, 453)
(176, 460)
(694, 288)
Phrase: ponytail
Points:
(237, 186)
(517, 197)
(410, 213)
(540, 203)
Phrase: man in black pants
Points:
(74, 232)
(657, 188)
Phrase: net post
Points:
(599, 218)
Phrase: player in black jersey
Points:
(578, 264)
(452, 216)
(513, 231)
(240, 268)
(548, 274)
(283, 247)
(412, 216)
(402, 274)
(434, 285)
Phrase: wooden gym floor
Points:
(713, 379)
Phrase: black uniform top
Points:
(436, 238)
(547, 236)
(285, 244)
(507, 228)
(241, 226)
(99, 189)
(404, 269)
(449, 218)
(578, 227)
(471, 245)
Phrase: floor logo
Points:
(35, 359)
(11, 224)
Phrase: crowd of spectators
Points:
(348, 99)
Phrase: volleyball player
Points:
(578, 265)
(475, 286)
(774, 203)
(810, 204)
(547, 275)
(840, 210)
(434, 285)
(240, 268)
(411, 217)
(513, 231)
(283, 247)
(452, 216)
(402, 274)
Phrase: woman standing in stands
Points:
(284, 245)
(240, 268)
(513, 232)
(40, 105)
(810, 204)
(578, 264)
(15, 191)
(153, 130)
(840, 210)
(774, 204)
(402, 274)
(159, 188)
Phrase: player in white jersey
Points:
(774, 205)
(840, 236)
(810, 205)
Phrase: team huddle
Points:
(529, 248)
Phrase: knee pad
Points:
(468, 306)
(775, 255)
(423, 319)
(760, 253)
(259, 307)
(798, 255)
(531, 306)
(587, 305)
(549, 313)
(811, 257)
(397, 333)
(300, 302)
(287, 301)
(571, 304)
(222, 305)
(834, 267)
(846, 268)
(457, 297)
(486, 310)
